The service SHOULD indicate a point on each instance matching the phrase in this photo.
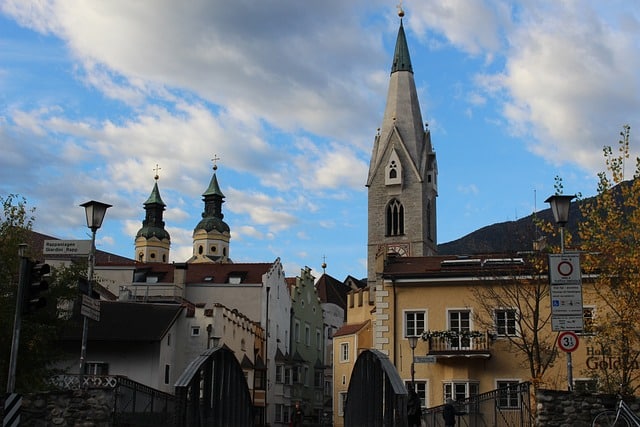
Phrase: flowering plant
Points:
(451, 334)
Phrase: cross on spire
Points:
(156, 169)
(214, 160)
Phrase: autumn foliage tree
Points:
(524, 293)
(610, 240)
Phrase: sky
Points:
(288, 94)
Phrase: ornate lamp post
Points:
(560, 205)
(413, 342)
(95, 212)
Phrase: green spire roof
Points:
(401, 59)
(155, 196)
(214, 188)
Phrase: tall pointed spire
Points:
(153, 240)
(402, 171)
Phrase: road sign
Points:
(424, 359)
(90, 308)
(66, 247)
(565, 281)
(564, 268)
(568, 341)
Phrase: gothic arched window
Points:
(395, 218)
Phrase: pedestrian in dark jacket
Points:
(414, 409)
(449, 414)
(297, 416)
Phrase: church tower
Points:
(211, 236)
(402, 181)
(152, 240)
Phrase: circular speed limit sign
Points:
(568, 341)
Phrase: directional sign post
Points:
(66, 247)
(424, 359)
(90, 308)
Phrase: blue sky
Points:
(289, 94)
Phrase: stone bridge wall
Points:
(568, 409)
(91, 408)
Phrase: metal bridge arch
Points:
(213, 391)
(377, 396)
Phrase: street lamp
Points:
(413, 342)
(95, 212)
(560, 207)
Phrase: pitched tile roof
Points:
(350, 329)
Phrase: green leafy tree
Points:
(38, 349)
(610, 235)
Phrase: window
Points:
(307, 335)
(318, 378)
(460, 390)
(167, 372)
(460, 321)
(279, 373)
(195, 331)
(393, 169)
(508, 394)
(305, 376)
(505, 319)
(287, 376)
(318, 340)
(296, 331)
(588, 320)
(395, 218)
(259, 379)
(342, 403)
(344, 352)
(414, 323)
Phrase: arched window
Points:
(395, 218)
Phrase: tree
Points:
(39, 331)
(522, 294)
(610, 235)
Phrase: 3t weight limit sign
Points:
(568, 341)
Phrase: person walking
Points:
(297, 416)
(449, 413)
(414, 409)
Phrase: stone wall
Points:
(90, 408)
(567, 409)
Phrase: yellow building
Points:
(468, 332)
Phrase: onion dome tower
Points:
(152, 240)
(211, 236)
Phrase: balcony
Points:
(459, 344)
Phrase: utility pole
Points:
(22, 278)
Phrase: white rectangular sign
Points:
(66, 247)
(90, 308)
(565, 281)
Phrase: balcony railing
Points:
(459, 343)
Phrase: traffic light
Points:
(35, 283)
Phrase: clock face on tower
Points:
(400, 249)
